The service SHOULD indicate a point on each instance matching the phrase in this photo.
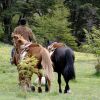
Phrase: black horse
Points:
(63, 60)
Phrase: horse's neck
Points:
(24, 41)
(17, 48)
(25, 45)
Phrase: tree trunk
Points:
(7, 21)
(27, 1)
(7, 29)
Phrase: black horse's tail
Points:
(69, 71)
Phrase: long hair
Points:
(47, 63)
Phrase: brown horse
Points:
(24, 48)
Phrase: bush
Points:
(26, 69)
(93, 40)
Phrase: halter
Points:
(24, 49)
(24, 46)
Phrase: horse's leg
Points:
(47, 84)
(39, 87)
(59, 82)
(36, 71)
(39, 74)
(67, 88)
(31, 86)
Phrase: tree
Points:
(6, 18)
(55, 27)
(93, 40)
(26, 8)
(84, 14)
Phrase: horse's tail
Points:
(69, 71)
(47, 63)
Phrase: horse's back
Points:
(62, 52)
(34, 50)
(59, 57)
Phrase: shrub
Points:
(93, 40)
(26, 69)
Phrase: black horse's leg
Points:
(59, 82)
(67, 88)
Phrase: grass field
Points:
(85, 87)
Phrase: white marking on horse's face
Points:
(22, 56)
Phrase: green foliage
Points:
(26, 66)
(84, 14)
(55, 26)
(49, 19)
(93, 41)
(27, 8)
(25, 69)
(42, 7)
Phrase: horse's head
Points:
(18, 39)
(15, 37)
(21, 40)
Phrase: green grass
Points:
(85, 87)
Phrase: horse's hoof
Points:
(46, 89)
(32, 88)
(60, 91)
(39, 90)
(68, 91)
